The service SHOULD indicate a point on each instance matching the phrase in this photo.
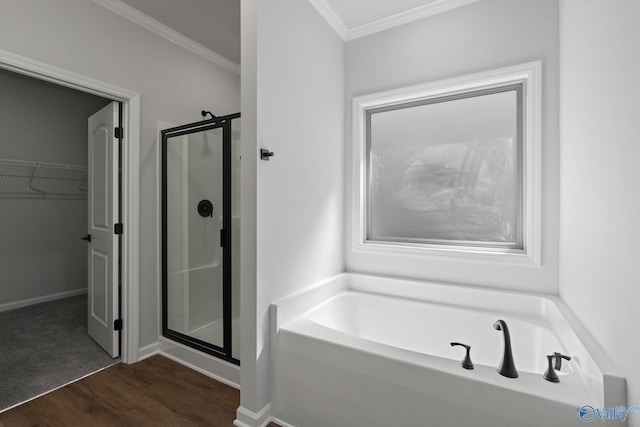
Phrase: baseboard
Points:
(247, 418)
(213, 367)
(210, 366)
(38, 300)
(149, 350)
(280, 422)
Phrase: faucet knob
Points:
(466, 362)
(558, 357)
(550, 373)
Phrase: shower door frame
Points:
(225, 351)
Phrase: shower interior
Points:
(201, 235)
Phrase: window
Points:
(451, 168)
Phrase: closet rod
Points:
(28, 163)
(23, 179)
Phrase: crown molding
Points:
(145, 21)
(401, 18)
(331, 17)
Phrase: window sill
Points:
(453, 253)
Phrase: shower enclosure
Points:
(201, 235)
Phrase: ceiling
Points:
(215, 24)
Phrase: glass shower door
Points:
(196, 215)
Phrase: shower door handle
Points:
(87, 238)
(222, 238)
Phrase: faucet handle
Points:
(550, 373)
(466, 362)
(558, 357)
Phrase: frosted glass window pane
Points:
(447, 171)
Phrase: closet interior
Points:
(43, 216)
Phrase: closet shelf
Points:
(24, 179)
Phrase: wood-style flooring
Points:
(154, 392)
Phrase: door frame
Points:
(130, 166)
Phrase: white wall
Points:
(41, 253)
(85, 38)
(600, 148)
(482, 36)
(299, 212)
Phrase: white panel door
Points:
(103, 214)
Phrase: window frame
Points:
(528, 76)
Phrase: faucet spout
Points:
(507, 366)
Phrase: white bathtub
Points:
(347, 353)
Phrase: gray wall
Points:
(174, 84)
(600, 148)
(41, 253)
(479, 37)
(298, 72)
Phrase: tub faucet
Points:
(507, 367)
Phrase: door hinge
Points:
(118, 132)
(118, 228)
(117, 325)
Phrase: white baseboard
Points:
(149, 350)
(213, 367)
(38, 300)
(280, 422)
(204, 371)
(247, 418)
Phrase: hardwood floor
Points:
(154, 392)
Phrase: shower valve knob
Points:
(205, 208)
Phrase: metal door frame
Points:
(223, 352)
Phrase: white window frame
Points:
(529, 75)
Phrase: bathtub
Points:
(348, 353)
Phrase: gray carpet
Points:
(44, 346)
